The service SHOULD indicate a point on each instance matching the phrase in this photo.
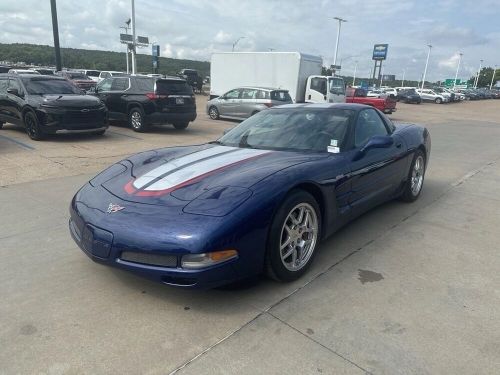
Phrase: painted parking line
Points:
(124, 135)
(19, 143)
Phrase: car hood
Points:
(68, 101)
(196, 172)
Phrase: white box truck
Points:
(296, 72)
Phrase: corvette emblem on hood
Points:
(114, 208)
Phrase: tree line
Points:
(75, 58)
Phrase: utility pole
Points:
(477, 75)
(493, 76)
(134, 66)
(381, 78)
(55, 30)
(126, 28)
(426, 64)
(340, 20)
(458, 67)
(403, 80)
(355, 68)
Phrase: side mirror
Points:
(377, 141)
(13, 91)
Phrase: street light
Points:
(458, 67)
(355, 68)
(493, 76)
(134, 65)
(403, 80)
(126, 28)
(340, 20)
(476, 81)
(236, 41)
(426, 64)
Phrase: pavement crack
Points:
(319, 343)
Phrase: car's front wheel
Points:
(181, 125)
(438, 101)
(136, 119)
(32, 126)
(294, 236)
(213, 113)
(415, 179)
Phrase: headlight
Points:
(197, 261)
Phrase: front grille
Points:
(91, 116)
(159, 260)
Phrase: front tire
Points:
(213, 112)
(415, 180)
(438, 101)
(136, 119)
(181, 125)
(294, 236)
(32, 126)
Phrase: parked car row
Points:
(49, 104)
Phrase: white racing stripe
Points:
(203, 167)
(179, 163)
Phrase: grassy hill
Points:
(94, 59)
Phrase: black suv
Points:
(143, 101)
(192, 78)
(409, 96)
(49, 105)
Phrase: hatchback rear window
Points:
(173, 87)
(281, 96)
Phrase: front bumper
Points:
(72, 121)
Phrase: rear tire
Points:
(213, 112)
(293, 237)
(136, 119)
(415, 180)
(181, 125)
(32, 126)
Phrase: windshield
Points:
(336, 86)
(411, 92)
(293, 129)
(92, 73)
(49, 86)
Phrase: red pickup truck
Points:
(358, 95)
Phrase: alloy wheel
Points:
(417, 175)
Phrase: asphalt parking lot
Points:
(405, 289)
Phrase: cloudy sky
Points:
(196, 28)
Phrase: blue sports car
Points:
(257, 200)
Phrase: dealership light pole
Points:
(340, 20)
(126, 28)
(55, 30)
(354, 75)
(134, 65)
(403, 80)
(236, 41)
(458, 67)
(426, 65)
(476, 81)
(493, 76)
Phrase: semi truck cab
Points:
(325, 89)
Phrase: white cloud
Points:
(222, 37)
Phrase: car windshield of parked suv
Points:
(164, 86)
(411, 92)
(316, 130)
(281, 96)
(92, 73)
(78, 76)
(41, 86)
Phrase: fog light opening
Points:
(196, 261)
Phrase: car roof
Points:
(261, 88)
(352, 106)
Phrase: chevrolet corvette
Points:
(258, 200)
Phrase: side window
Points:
(119, 84)
(248, 93)
(368, 124)
(145, 84)
(261, 94)
(14, 84)
(233, 94)
(105, 85)
(3, 85)
(319, 84)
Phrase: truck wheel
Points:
(438, 101)
(213, 113)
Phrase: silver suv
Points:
(244, 102)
